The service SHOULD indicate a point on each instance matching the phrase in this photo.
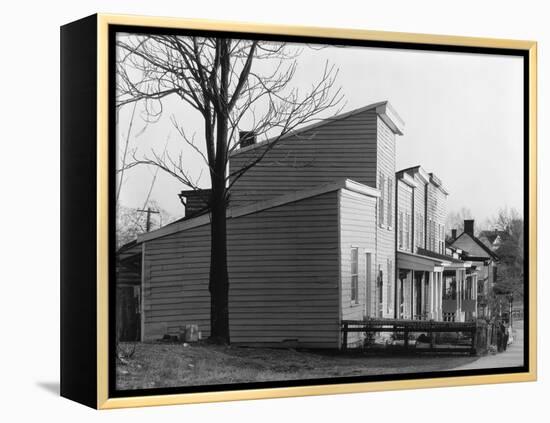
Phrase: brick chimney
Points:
(453, 234)
(247, 138)
(195, 201)
(469, 226)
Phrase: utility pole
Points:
(149, 211)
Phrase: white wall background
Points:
(29, 170)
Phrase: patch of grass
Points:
(156, 365)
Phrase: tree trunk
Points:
(219, 280)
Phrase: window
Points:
(389, 287)
(400, 228)
(368, 290)
(432, 236)
(390, 202)
(382, 199)
(354, 275)
(379, 286)
(420, 230)
(407, 232)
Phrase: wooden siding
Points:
(283, 270)
(419, 213)
(404, 214)
(345, 148)
(357, 230)
(436, 212)
(385, 236)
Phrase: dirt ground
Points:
(156, 365)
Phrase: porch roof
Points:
(418, 262)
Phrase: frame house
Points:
(474, 250)
(311, 239)
(431, 284)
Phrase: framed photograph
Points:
(255, 211)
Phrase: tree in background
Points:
(131, 222)
(224, 82)
(510, 277)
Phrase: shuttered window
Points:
(400, 229)
(390, 203)
(407, 232)
(354, 275)
(379, 290)
(382, 199)
(389, 299)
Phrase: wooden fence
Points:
(477, 334)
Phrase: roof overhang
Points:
(419, 263)
(407, 179)
(437, 183)
(417, 171)
(391, 118)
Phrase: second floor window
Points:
(389, 223)
(407, 232)
(382, 199)
(355, 275)
(389, 299)
(400, 229)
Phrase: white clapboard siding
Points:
(420, 212)
(385, 237)
(283, 271)
(357, 230)
(404, 208)
(344, 148)
(437, 212)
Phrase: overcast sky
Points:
(462, 112)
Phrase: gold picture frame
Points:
(101, 214)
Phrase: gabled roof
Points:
(382, 108)
(480, 243)
(492, 235)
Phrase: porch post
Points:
(432, 293)
(412, 294)
(458, 294)
(474, 293)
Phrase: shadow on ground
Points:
(51, 387)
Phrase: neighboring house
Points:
(128, 292)
(430, 283)
(492, 239)
(483, 257)
(311, 239)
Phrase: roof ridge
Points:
(321, 123)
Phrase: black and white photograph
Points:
(298, 211)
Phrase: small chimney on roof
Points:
(247, 138)
(453, 234)
(469, 226)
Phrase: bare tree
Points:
(233, 85)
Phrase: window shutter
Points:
(389, 299)
(400, 229)
(390, 201)
(382, 198)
